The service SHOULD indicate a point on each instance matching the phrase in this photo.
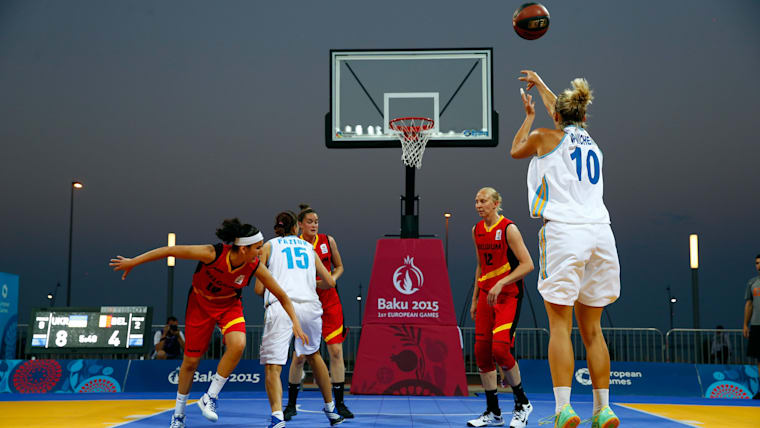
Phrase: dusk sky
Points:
(179, 114)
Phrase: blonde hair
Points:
(495, 196)
(571, 103)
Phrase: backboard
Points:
(368, 88)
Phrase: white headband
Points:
(248, 240)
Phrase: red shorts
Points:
(202, 315)
(495, 327)
(332, 324)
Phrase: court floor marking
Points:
(655, 414)
(189, 402)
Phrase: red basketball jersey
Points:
(328, 297)
(218, 280)
(495, 257)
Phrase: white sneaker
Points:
(487, 419)
(178, 421)
(208, 407)
(520, 415)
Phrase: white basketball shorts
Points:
(278, 330)
(578, 262)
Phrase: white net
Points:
(414, 133)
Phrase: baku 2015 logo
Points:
(403, 281)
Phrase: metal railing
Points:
(625, 344)
(707, 346)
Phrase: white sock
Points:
(179, 406)
(330, 407)
(561, 397)
(601, 399)
(217, 382)
(279, 415)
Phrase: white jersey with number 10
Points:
(291, 262)
(566, 184)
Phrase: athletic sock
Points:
(601, 399)
(179, 406)
(217, 382)
(561, 397)
(293, 393)
(337, 388)
(279, 415)
(330, 407)
(519, 393)
(492, 402)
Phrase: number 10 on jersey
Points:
(592, 165)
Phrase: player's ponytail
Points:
(233, 228)
(284, 223)
(305, 209)
(571, 104)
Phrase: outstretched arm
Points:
(525, 143)
(258, 287)
(203, 253)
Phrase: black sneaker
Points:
(289, 412)
(343, 411)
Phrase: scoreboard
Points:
(108, 329)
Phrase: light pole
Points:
(694, 263)
(671, 303)
(447, 215)
(172, 240)
(359, 302)
(74, 185)
(52, 295)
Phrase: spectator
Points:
(751, 324)
(720, 346)
(169, 342)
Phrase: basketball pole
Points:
(410, 222)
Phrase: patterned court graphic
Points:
(251, 410)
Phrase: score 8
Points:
(61, 338)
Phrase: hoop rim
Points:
(425, 125)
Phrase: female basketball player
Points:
(333, 332)
(503, 262)
(579, 263)
(293, 263)
(223, 270)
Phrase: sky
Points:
(177, 115)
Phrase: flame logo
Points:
(407, 284)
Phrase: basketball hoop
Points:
(414, 133)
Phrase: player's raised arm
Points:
(202, 253)
(547, 96)
(268, 281)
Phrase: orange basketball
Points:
(531, 20)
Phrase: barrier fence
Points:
(711, 346)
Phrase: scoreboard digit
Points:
(108, 329)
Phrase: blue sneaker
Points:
(333, 416)
(178, 421)
(207, 404)
(276, 423)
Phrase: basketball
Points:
(530, 21)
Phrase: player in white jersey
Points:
(578, 259)
(295, 265)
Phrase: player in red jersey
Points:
(333, 331)
(214, 299)
(503, 261)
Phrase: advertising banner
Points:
(728, 381)
(410, 343)
(62, 376)
(670, 379)
(163, 375)
(8, 315)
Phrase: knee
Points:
(336, 351)
(483, 356)
(503, 356)
(190, 364)
(235, 343)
